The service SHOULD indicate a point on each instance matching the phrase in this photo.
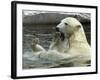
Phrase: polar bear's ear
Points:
(78, 26)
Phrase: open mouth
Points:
(62, 36)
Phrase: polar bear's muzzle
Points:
(62, 36)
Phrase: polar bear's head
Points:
(68, 26)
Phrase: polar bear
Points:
(73, 42)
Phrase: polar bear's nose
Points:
(57, 29)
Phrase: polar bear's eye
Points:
(65, 23)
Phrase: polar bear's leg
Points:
(35, 45)
(55, 41)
